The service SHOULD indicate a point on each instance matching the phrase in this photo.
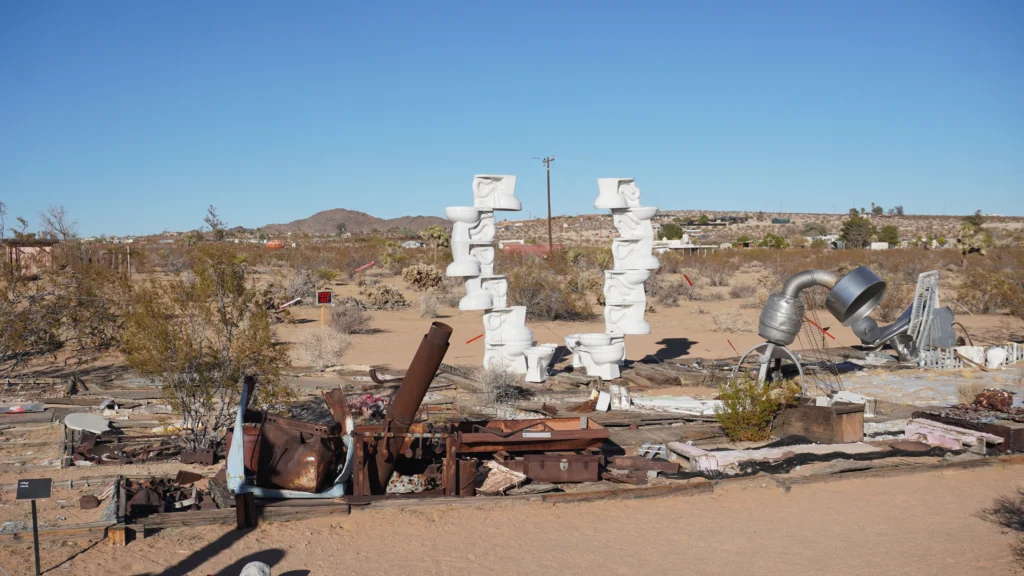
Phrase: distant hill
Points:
(326, 222)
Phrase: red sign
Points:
(324, 297)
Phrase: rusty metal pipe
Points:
(410, 395)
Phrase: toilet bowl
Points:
(608, 195)
(625, 286)
(507, 325)
(463, 214)
(594, 339)
(634, 254)
(626, 318)
(476, 297)
(497, 286)
(495, 192)
(508, 355)
(602, 361)
(572, 343)
(616, 339)
(464, 264)
(537, 360)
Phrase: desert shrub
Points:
(747, 410)
(716, 269)
(898, 295)
(383, 297)
(450, 292)
(982, 291)
(348, 317)
(966, 392)
(742, 291)
(670, 293)
(423, 277)
(322, 349)
(730, 321)
(325, 276)
(428, 306)
(547, 296)
(671, 262)
(702, 310)
(502, 386)
(302, 284)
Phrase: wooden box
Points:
(842, 422)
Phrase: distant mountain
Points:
(326, 222)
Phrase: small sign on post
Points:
(324, 298)
(35, 489)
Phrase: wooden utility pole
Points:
(547, 165)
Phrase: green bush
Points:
(748, 408)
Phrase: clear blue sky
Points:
(136, 115)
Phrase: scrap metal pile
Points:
(277, 457)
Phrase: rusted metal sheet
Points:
(558, 468)
(204, 457)
(541, 435)
(406, 403)
(338, 405)
(640, 463)
(467, 477)
(294, 455)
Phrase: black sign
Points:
(324, 297)
(38, 489)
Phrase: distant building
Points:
(413, 244)
(879, 245)
(28, 257)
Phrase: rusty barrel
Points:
(410, 395)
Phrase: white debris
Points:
(995, 357)
(678, 405)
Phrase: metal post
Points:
(547, 160)
(547, 164)
(35, 536)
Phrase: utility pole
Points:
(547, 165)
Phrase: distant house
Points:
(879, 245)
(28, 257)
(413, 244)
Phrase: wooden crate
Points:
(836, 424)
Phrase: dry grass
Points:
(349, 318)
(422, 277)
(742, 291)
(730, 321)
(383, 297)
(966, 392)
(322, 349)
(428, 306)
(502, 386)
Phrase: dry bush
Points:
(717, 269)
(669, 294)
(428, 306)
(546, 295)
(451, 291)
(423, 277)
(322, 349)
(348, 317)
(742, 291)
(898, 295)
(702, 310)
(383, 297)
(751, 305)
(966, 392)
(747, 410)
(671, 262)
(730, 321)
(502, 386)
(302, 284)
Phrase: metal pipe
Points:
(806, 279)
(410, 395)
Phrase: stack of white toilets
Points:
(625, 299)
(508, 342)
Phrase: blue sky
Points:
(136, 115)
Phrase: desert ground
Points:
(703, 313)
(923, 524)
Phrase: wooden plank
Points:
(691, 488)
(27, 417)
(91, 531)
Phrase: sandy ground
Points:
(677, 333)
(914, 524)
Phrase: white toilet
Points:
(537, 360)
(476, 297)
(599, 356)
(572, 343)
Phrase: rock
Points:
(255, 569)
